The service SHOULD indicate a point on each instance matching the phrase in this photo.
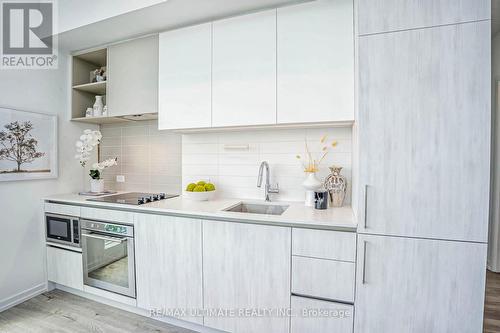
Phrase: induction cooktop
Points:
(134, 198)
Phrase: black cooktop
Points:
(134, 198)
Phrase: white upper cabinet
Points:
(244, 70)
(185, 74)
(419, 285)
(292, 65)
(316, 62)
(389, 15)
(133, 77)
(424, 131)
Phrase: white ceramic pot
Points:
(97, 185)
(311, 183)
(98, 106)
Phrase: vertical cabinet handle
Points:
(363, 275)
(366, 205)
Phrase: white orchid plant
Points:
(88, 141)
(95, 173)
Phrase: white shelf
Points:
(100, 120)
(98, 88)
(116, 119)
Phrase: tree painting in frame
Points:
(28, 145)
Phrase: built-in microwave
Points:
(63, 229)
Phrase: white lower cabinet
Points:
(317, 316)
(327, 279)
(419, 285)
(168, 265)
(246, 269)
(65, 267)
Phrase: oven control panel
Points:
(109, 228)
(118, 229)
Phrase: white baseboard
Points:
(138, 311)
(22, 296)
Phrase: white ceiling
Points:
(77, 13)
(160, 17)
(495, 17)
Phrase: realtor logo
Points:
(27, 35)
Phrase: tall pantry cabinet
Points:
(424, 137)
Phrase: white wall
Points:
(22, 265)
(494, 226)
(234, 172)
(77, 13)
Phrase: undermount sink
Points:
(256, 208)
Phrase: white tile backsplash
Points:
(153, 160)
(149, 159)
(234, 171)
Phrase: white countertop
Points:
(297, 215)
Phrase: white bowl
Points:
(199, 196)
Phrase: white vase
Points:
(98, 106)
(97, 185)
(311, 183)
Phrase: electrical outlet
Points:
(120, 179)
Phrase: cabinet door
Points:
(424, 132)
(419, 285)
(375, 16)
(244, 70)
(185, 79)
(246, 267)
(316, 62)
(65, 267)
(133, 77)
(317, 316)
(168, 264)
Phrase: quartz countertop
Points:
(297, 215)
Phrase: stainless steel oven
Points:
(108, 256)
(62, 229)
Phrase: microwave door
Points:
(58, 228)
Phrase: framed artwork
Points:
(28, 145)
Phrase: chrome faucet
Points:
(268, 188)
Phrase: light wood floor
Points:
(61, 312)
(492, 303)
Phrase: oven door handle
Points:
(106, 238)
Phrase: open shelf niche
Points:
(83, 89)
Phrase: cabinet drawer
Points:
(62, 209)
(334, 317)
(336, 245)
(107, 215)
(65, 267)
(322, 278)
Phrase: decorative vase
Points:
(97, 185)
(98, 106)
(311, 184)
(336, 184)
